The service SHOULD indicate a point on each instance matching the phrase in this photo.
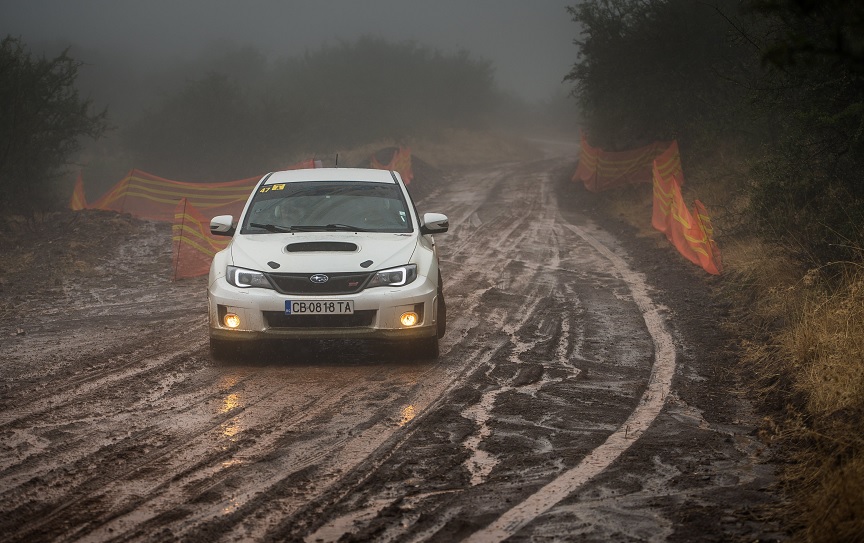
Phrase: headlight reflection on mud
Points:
(408, 414)
(229, 402)
(231, 507)
(228, 381)
(230, 428)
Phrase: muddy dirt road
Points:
(577, 397)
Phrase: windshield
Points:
(328, 206)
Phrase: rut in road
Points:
(538, 301)
(256, 519)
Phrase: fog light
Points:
(231, 320)
(409, 319)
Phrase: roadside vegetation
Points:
(766, 100)
(43, 122)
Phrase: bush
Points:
(658, 71)
(808, 189)
(41, 123)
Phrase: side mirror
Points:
(434, 223)
(223, 225)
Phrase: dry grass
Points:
(824, 349)
(633, 205)
(827, 343)
(803, 343)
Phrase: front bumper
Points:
(258, 310)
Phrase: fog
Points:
(220, 89)
(529, 43)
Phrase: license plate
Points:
(313, 307)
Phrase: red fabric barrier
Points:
(665, 167)
(601, 170)
(188, 205)
(401, 162)
(78, 200)
(690, 232)
(148, 196)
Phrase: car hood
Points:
(322, 252)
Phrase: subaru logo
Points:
(319, 278)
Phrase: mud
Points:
(584, 392)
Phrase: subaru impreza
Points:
(328, 253)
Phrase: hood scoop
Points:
(322, 247)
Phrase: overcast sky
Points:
(530, 42)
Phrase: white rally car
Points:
(328, 253)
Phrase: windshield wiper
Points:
(328, 228)
(272, 227)
(346, 227)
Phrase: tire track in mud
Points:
(140, 362)
(189, 457)
(420, 404)
(534, 285)
(199, 474)
(62, 453)
(294, 527)
(364, 465)
(659, 386)
(75, 411)
(156, 449)
(425, 402)
(328, 454)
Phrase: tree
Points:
(42, 121)
(808, 187)
(657, 70)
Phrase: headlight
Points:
(243, 278)
(394, 277)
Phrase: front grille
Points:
(338, 283)
(360, 319)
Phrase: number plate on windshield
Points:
(313, 307)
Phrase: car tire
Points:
(442, 314)
(442, 307)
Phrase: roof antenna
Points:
(337, 160)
